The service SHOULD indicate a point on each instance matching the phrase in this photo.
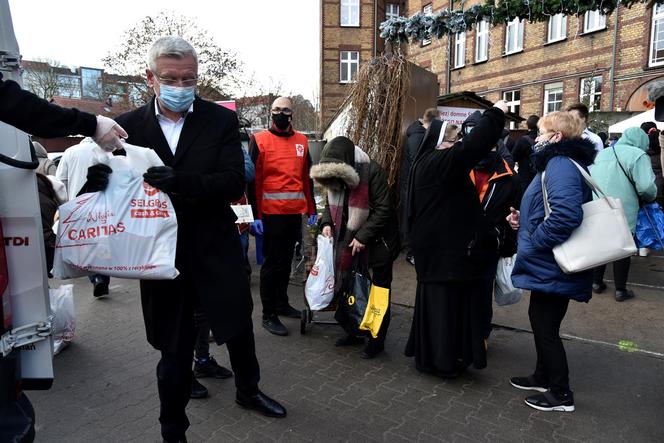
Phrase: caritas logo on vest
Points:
(299, 150)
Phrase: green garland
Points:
(420, 26)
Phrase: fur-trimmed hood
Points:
(327, 173)
(578, 149)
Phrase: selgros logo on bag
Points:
(149, 190)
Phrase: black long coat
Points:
(210, 175)
(451, 237)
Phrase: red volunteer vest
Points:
(282, 176)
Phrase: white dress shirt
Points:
(171, 129)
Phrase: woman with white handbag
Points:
(557, 147)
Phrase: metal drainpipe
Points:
(375, 27)
(613, 59)
(448, 87)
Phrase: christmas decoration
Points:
(424, 26)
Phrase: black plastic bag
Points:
(354, 299)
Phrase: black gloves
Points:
(97, 177)
(161, 177)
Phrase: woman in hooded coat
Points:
(360, 215)
(453, 241)
(558, 144)
(625, 172)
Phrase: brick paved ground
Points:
(105, 388)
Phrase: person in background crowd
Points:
(414, 136)
(199, 144)
(523, 149)
(360, 215)
(48, 205)
(604, 137)
(282, 192)
(469, 124)
(654, 152)
(499, 190)
(453, 242)
(580, 111)
(625, 172)
(46, 165)
(612, 141)
(536, 269)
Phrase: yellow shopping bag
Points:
(379, 299)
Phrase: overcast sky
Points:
(276, 39)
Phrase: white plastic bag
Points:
(504, 291)
(64, 320)
(319, 289)
(129, 230)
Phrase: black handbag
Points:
(354, 298)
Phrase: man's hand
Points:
(513, 219)
(312, 220)
(327, 231)
(257, 227)
(502, 105)
(161, 177)
(108, 134)
(357, 246)
(97, 178)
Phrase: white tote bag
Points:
(603, 236)
(504, 291)
(319, 288)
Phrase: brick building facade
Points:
(537, 67)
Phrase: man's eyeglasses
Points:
(186, 82)
(286, 111)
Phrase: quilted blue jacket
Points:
(535, 267)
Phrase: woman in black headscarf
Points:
(452, 240)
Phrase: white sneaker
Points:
(643, 252)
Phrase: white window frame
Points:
(657, 25)
(346, 62)
(482, 36)
(427, 9)
(557, 28)
(592, 93)
(552, 88)
(392, 10)
(594, 21)
(349, 6)
(460, 49)
(513, 103)
(514, 36)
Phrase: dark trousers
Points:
(382, 276)
(280, 233)
(546, 312)
(174, 378)
(620, 273)
(486, 291)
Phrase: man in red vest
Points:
(283, 192)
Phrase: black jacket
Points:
(502, 191)
(34, 115)
(414, 136)
(379, 232)
(210, 175)
(452, 239)
(523, 148)
(501, 145)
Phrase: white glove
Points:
(108, 134)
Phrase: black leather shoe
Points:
(274, 326)
(100, 288)
(624, 294)
(289, 311)
(349, 340)
(261, 403)
(372, 350)
(211, 369)
(598, 288)
(198, 390)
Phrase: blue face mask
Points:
(175, 98)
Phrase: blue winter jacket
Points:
(535, 267)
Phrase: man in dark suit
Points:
(199, 143)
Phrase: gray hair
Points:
(175, 47)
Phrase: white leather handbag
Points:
(603, 236)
